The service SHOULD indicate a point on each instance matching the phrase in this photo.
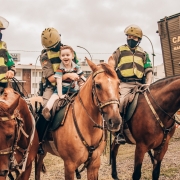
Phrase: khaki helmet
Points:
(3, 23)
(50, 38)
(134, 31)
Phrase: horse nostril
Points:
(4, 173)
(111, 123)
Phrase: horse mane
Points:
(165, 81)
(108, 69)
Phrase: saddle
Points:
(59, 111)
(9, 100)
(130, 101)
(129, 106)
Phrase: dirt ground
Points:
(170, 168)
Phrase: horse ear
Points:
(91, 64)
(111, 61)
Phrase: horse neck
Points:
(168, 98)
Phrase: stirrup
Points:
(119, 139)
(40, 150)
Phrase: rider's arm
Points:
(11, 66)
(113, 60)
(148, 70)
(59, 86)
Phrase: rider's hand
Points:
(73, 76)
(62, 96)
(80, 83)
(9, 74)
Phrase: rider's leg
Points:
(124, 90)
(2, 86)
(119, 135)
(42, 123)
(46, 111)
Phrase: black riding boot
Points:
(41, 126)
(120, 136)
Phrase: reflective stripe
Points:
(3, 70)
(55, 61)
(52, 54)
(55, 67)
(2, 45)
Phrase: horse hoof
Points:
(44, 169)
(115, 177)
(78, 176)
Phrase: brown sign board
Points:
(169, 32)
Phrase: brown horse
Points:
(152, 125)
(80, 140)
(18, 136)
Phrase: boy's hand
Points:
(73, 76)
(62, 96)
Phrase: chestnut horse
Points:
(18, 136)
(152, 125)
(80, 140)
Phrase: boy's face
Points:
(66, 56)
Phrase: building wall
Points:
(30, 75)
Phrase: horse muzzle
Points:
(4, 173)
(114, 123)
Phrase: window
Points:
(40, 74)
(34, 74)
(34, 85)
(18, 73)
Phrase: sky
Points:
(96, 25)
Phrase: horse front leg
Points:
(69, 169)
(139, 156)
(39, 166)
(93, 169)
(158, 156)
(26, 174)
(114, 152)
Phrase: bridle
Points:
(100, 106)
(13, 165)
(98, 103)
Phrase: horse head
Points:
(13, 129)
(105, 89)
(8, 102)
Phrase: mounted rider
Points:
(132, 65)
(7, 65)
(50, 61)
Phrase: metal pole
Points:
(86, 50)
(110, 146)
(152, 54)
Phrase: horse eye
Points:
(98, 86)
(9, 136)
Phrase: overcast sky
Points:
(97, 25)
